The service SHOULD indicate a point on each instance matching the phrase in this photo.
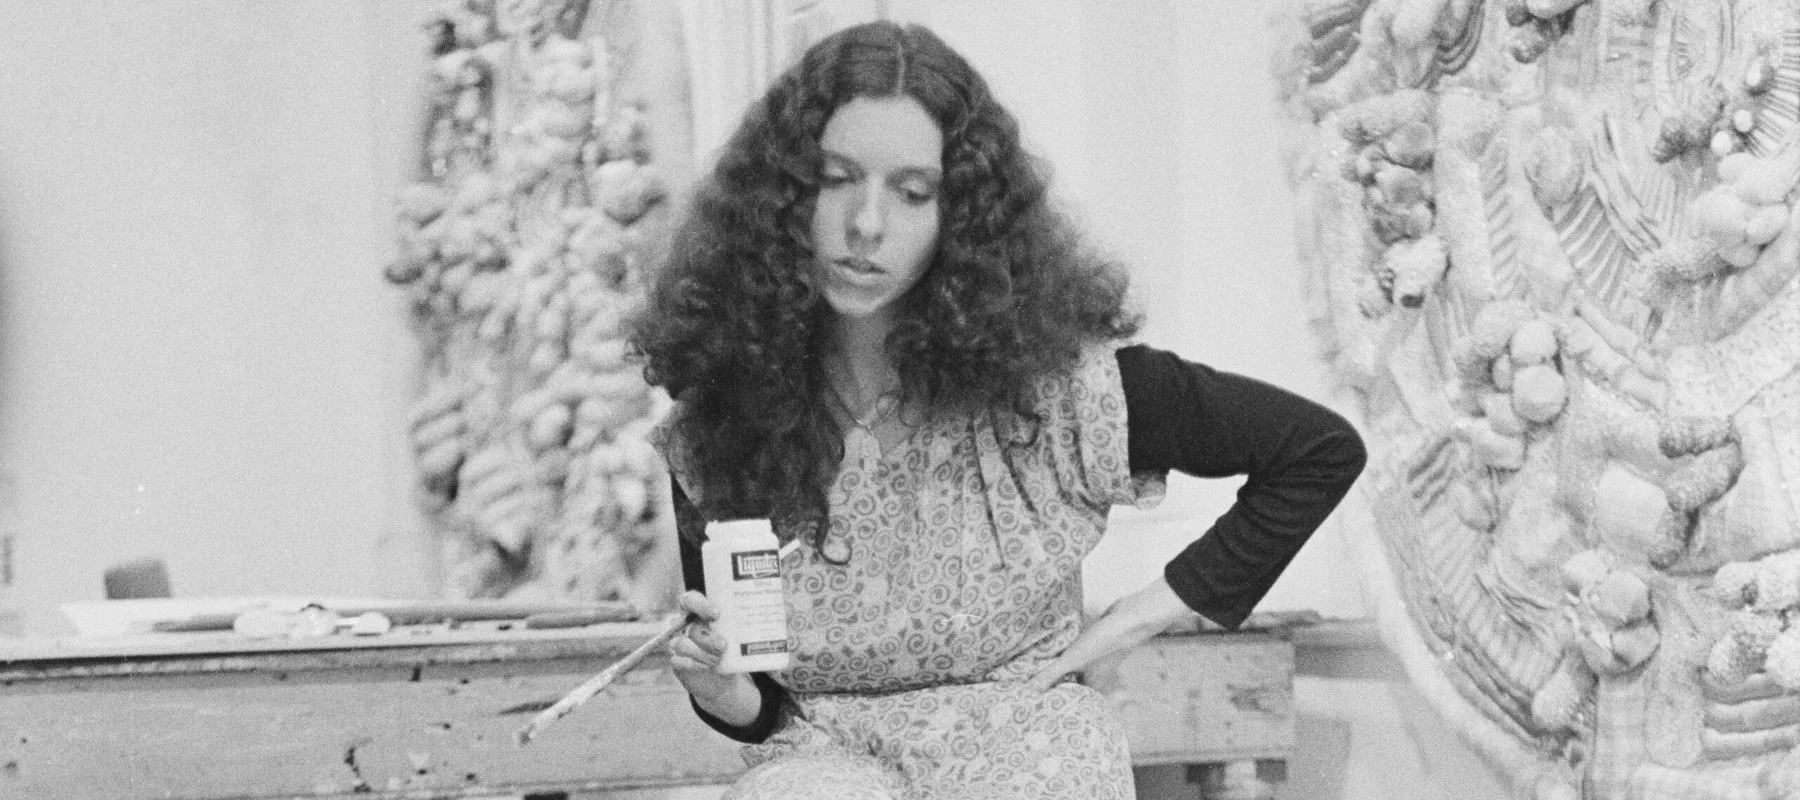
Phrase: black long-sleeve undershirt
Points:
(1299, 459)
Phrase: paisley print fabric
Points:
(830, 774)
(965, 544)
(990, 741)
(955, 574)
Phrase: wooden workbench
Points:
(426, 714)
(430, 714)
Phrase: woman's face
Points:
(875, 226)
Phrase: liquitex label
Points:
(755, 564)
(764, 648)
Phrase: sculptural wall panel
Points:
(544, 193)
(1554, 251)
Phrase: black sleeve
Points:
(1301, 459)
(690, 528)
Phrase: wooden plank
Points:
(436, 720)
(440, 731)
(1343, 650)
(1194, 699)
(176, 649)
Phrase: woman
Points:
(881, 336)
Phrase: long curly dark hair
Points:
(734, 332)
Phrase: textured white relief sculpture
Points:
(1554, 249)
(525, 243)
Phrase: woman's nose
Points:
(867, 220)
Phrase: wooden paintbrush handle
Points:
(599, 682)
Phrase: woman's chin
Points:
(857, 308)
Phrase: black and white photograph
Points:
(900, 400)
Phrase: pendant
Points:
(862, 446)
(836, 551)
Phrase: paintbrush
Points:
(593, 686)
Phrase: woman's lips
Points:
(858, 267)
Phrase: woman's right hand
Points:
(694, 655)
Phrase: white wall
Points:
(200, 360)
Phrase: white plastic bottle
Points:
(742, 560)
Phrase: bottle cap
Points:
(737, 529)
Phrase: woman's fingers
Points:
(1051, 675)
(1130, 622)
(698, 647)
(694, 655)
(1105, 636)
(703, 635)
(686, 647)
(699, 605)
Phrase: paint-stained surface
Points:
(432, 715)
(1206, 698)
(398, 721)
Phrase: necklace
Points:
(861, 442)
(882, 407)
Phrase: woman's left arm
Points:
(1299, 457)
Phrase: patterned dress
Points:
(964, 546)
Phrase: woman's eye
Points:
(918, 197)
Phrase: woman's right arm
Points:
(742, 707)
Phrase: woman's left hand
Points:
(1128, 623)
